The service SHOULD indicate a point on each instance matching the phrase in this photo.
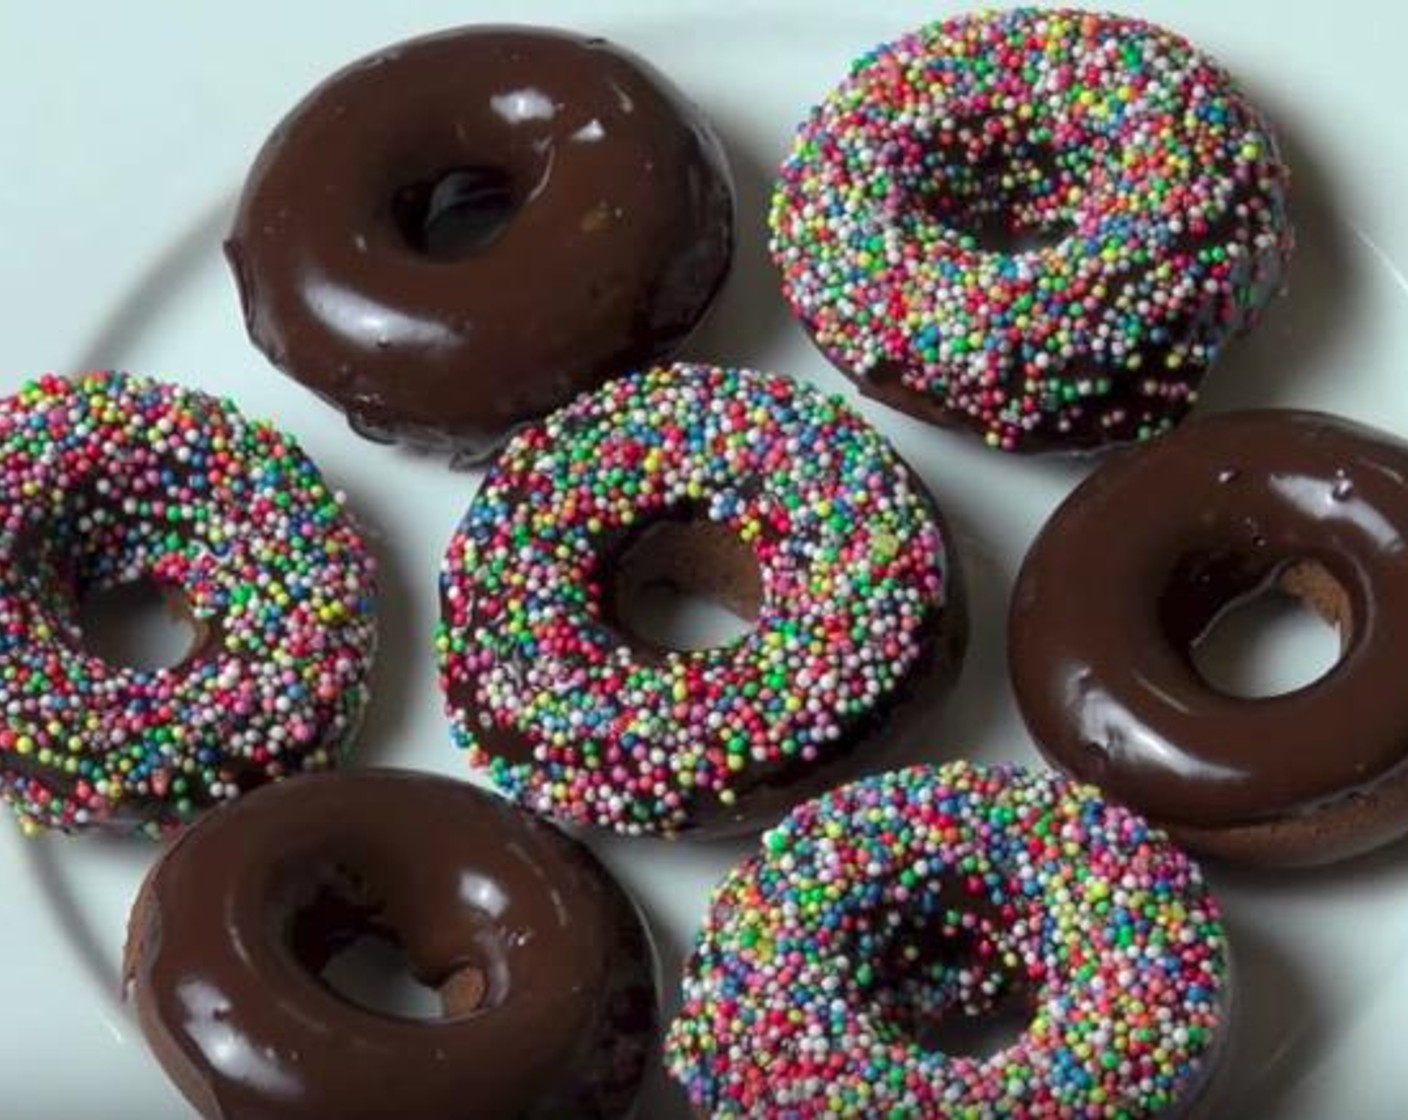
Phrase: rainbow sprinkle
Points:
(110, 478)
(566, 716)
(1034, 884)
(1152, 188)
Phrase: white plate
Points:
(125, 131)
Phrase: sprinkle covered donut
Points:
(109, 479)
(1040, 226)
(927, 894)
(751, 488)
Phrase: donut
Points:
(910, 899)
(543, 966)
(748, 487)
(109, 479)
(1040, 226)
(461, 232)
(1136, 567)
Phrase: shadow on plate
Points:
(129, 856)
(1277, 1029)
(678, 862)
(1325, 281)
(171, 270)
(398, 669)
(660, 1096)
(750, 314)
(965, 725)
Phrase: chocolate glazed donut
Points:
(1139, 564)
(542, 963)
(461, 232)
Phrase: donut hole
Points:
(1283, 633)
(343, 934)
(137, 624)
(682, 584)
(90, 568)
(999, 193)
(455, 213)
(373, 972)
(940, 984)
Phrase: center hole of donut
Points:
(1000, 193)
(340, 934)
(455, 213)
(138, 625)
(939, 986)
(373, 972)
(995, 234)
(682, 584)
(1283, 636)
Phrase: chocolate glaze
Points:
(1139, 563)
(542, 962)
(461, 232)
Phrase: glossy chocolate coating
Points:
(542, 962)
(1137, 566)
(374, 267)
